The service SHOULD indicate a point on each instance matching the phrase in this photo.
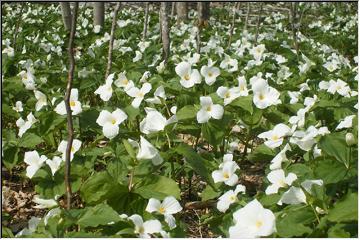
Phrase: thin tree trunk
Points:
(66, 14)
(164, 12)
(99, 13)
(203, 9)
(233, 23)
(173, 9)
(258, 23)
(111, 42)
(146, 20)
(293, 14)
(67, 105)
(247, 16)
(181, 11)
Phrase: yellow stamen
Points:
(258, 223)
(187, 77)
(208, 109)
(113, 121)
(226, 175)
(162, 210)
(72, 103)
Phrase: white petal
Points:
(153, 205)
(217, 111)
(171, 205)
(202, 116)
(104, 117)
(170, 220)
(119, 116)
(110, 130)
(152, 226)
(293, 196)
(183, 68)
(60, 108)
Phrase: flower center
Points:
(275, 138)
(72, 103)
(242, 88)
(226, 175)
(232, 198)
(113, 122)
(261, 97)
(141, 230)
(72, 149)
(187, 77)
(258, 223)
(162, 210)
(227, 95)
(125, 81)
(208, 109)
(282, 183)
(210, 74)
(140, 94)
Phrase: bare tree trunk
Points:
(181, 11)
(67, 105)
(18, 25)
(164, 22)
(203, 9)
(146, 20)
(258, 23)
(173, 9)
(99, 13)
(293, 14)
(247, 16)
(231, 31)
(66, 14)
(111, 42)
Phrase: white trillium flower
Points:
(296, 195)
(158, 95)
(153, 122)
(18, 106)
(331, 66)
(229, 64)
(32, 225)
(34, 161)
(299, 119)
(74, 148)
(144, 229)
(257, 52)
(227, 94)
(264, 95)
(252, 221)
(275, 137)
(278, 180)
(229, 198)
(243, 90)
(75, 105)
(210, 74)
(105, 91)
(209, 110)
(25, 125)
(188, 77)
(161, 67)
(44, 203)
(138, 94)
(52, 213)
(111, 121)
(123, 82)
(294, 97)
(340, 87)
(148, 151)
(279, 158)
(41, 100)
(97, 28)
(346, 123)
(28, 79)
(167, 207)
(226, 173)
(54, 164)
(138, 56)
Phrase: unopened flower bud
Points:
(350, 139)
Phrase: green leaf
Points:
(30, 140)
(213, 133)
(157, 187)
(334, 145)
(338, 231)
(196, 162)
(330, 170)
(101, 214)
(129, 148)
(345, 210)
(209, 193)
(292, 222)
(244, 102)
(99, 187)
(187, 112)
(262, 153)
(11, 157)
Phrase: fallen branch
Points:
(199, 204)
(67, 105)
(111, 42)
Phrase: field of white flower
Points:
(240, 124)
